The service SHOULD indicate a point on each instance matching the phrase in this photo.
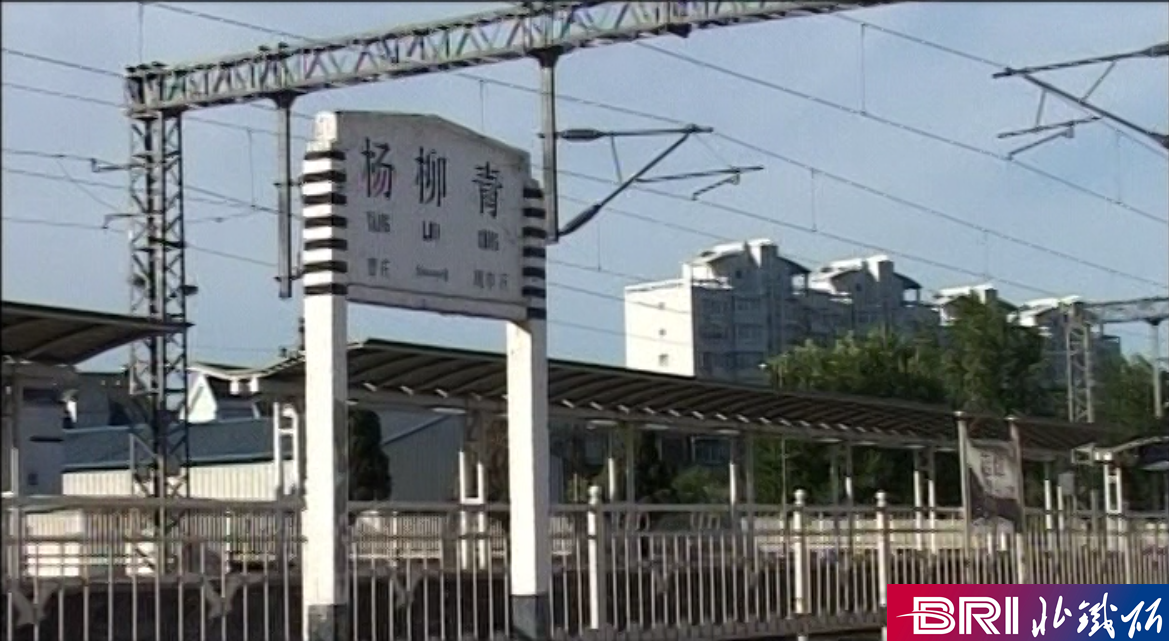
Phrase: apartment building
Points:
(737, 304)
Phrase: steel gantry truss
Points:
(1081, 319)
(158, 95)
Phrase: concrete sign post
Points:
(415, 212)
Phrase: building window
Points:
(747, 305)
(750, 360)
(712, 332)
(706, 361)
(32, 479)
(663, 360)
(711, 451)
(748, 332)
(662, 332)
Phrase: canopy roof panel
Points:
(445, 376)
(64, 336)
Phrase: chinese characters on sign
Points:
(992, 466)
(430, 177)
(487, 179)
(456, 236)
(1096, 616)
(378, 171)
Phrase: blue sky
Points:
(876, 184)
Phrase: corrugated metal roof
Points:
(66, 336)
(438, 373)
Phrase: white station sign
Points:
(435, 213)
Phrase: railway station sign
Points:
(434, 211)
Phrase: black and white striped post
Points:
(324, 561)
(527, 437)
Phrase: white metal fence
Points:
(97, 569)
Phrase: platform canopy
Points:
(391, 372)
(49, 335)
(1148, 453)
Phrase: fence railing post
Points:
(1126, 555)
(800, 561)
(883, 560)
(598, 566)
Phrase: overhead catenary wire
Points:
(679, 227)
(262, 263)
(478, 79)
(577, 289)
(820, 172)
(217, 198)
(862, 112)
(986, 62)
(616, 211)
(756, 149)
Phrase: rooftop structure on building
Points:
(738, 304)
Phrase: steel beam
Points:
(467, 41)
(1080, 374)
(1080, 320)
(1149, 310)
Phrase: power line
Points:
(823, 102)
(65, 95)
(578, 175)
(563, 286)
(796, 227)
(221, 200)
(874, 191)
(771, 85)
(227, 200)
(39, 222)
(576, 289)
(786, 159)
(982, 60)
(895, 199)
(744, 213)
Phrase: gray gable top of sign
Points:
(325, 129)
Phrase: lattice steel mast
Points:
(158, 289)
(158, 95)
(1081, 319)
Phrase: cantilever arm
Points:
(590, 212)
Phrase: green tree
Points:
(981, 361)
(991, 364)
(701, 485)
(654, 473)
(369, 466)
(882, 364)
(1124, 398)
